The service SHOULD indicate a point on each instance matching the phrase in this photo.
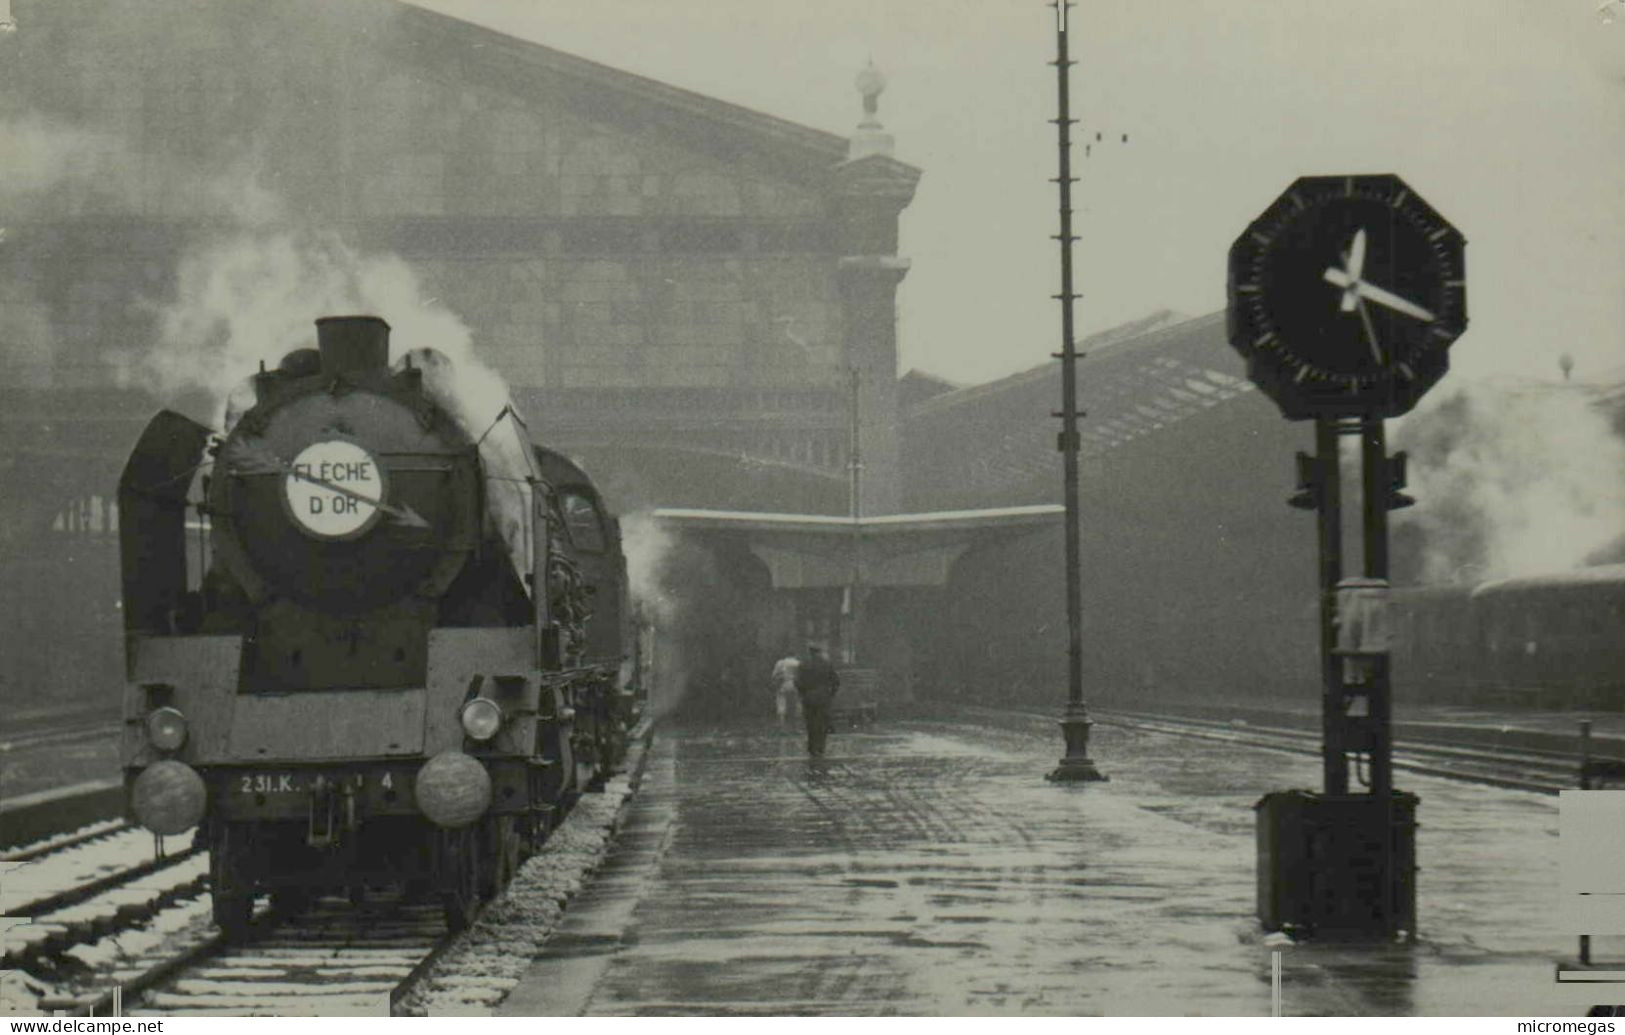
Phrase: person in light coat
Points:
(783, 686)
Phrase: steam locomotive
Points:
(368, 640)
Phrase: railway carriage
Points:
(366, 640)
(1550, 641)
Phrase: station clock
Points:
(1345, 295)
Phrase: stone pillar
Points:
(872, 189)
(869, 327)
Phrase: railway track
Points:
(97, 882)
(1523, 768)
(66, 732)
(104, 919)
(113, 922)
(333, 958)
(109, 910)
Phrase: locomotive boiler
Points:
(367, 640)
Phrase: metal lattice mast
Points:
(1075, 765)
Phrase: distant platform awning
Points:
(810, 551)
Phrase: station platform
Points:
(927, 868)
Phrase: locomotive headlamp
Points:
(482, 718)
(166, 728)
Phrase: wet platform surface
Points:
(926, 868)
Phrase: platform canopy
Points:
(811, 551)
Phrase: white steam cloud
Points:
(54, 169)
(256, 295)
(1513, 480)
(467, 389)
(650, 554)
(36, 155)
(648, 547)
(253, 272)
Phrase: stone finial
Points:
(871, 84)
(870, 138)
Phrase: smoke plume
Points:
(652, 581)
(1512, 480)
(648, 547)
(469, 390)
(255, 296)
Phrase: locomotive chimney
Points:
(352, 343)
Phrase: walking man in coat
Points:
(817, 683)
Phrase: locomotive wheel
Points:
(290, 901)
(232, 913)
(460, 877)
(231, 904)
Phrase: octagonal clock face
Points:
(1345, 295)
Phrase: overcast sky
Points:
(1507, 115)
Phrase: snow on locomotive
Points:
(366, 641)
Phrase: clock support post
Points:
(1377, 498)
(1320, 484)
(1320, 481)
(1376, 836)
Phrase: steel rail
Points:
(1413, 756)
(62, 842)
(90, 889)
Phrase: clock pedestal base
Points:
(1327, 869)
(1076, 766)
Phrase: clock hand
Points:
(1354, 288)
(1350, 296)
(1366, 289)
(1353, 263)
(1333, 275)
(1370, 335)
(1392, 301)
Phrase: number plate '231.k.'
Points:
(265, 793)
(267, 783)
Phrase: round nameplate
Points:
(333, 489)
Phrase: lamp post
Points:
(1075, 766)
(854, 587)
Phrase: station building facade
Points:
(1199, 582)
(677, 290)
